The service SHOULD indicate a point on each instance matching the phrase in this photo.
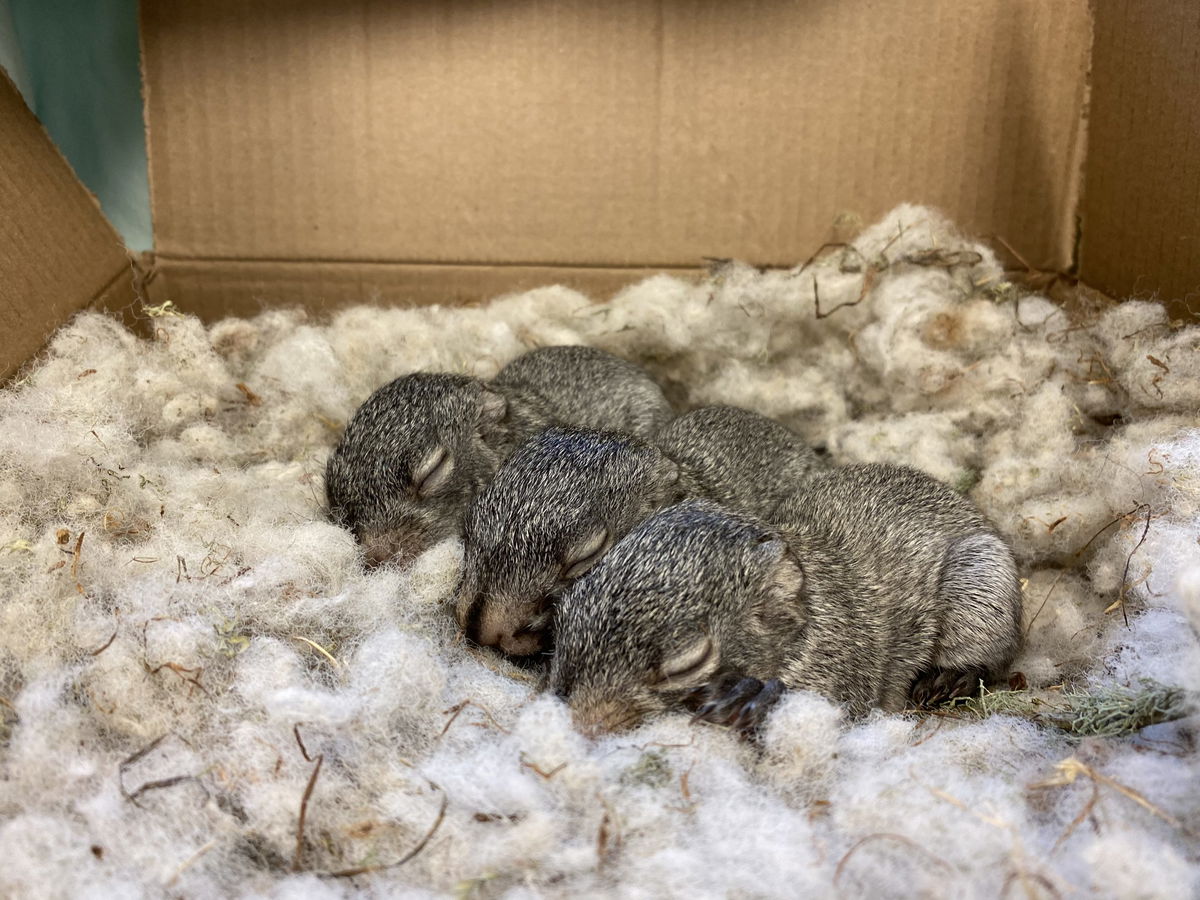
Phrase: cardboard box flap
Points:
(57, 251)
(1141, 214)
(604, 134)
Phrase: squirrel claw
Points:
(936, 686)
(743, 706)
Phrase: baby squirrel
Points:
(562, 499)
(878, 585)
(420, 447)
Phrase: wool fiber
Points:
(204, 693)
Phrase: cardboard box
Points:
(329, 153)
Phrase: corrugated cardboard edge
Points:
(213, 289)
(1141, 204)
(147, 259)
(58, 254)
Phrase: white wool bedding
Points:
(193, 660)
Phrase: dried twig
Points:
(608, 836)
(298, 858)
(184, 673)
(1079, 819)
(190, 861)
(547, 774)
(884, 835)
(940, 720)
(1027, 877)
(106, 644)
(1069, 769)
(456, 710)
(191, 676)
(300, 743)
(1125, 574)
(75, 561)
(154, 785)
(818, 254)
(163, 783)
(938, 258)
(1078, 553)
(252, 399)
(363, 870)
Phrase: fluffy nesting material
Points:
(185, 639)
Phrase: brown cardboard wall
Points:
(619, 134)
(57, 251)
(212, 289)
(1141, 211)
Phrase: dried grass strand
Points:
(364, 870)
(298, 858)
(885, 835)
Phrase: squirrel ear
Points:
(775, 602)
(785, 575)
(493, 407)
(666, 469)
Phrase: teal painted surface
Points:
(78, 68)
(12, 60)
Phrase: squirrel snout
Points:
(496, 628)
(399, 546)
(597, 718)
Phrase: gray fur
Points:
(371, 478)
(586, 388)
(523, 531)
(875, 578)
(742, 460)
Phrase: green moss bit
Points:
(965, 480)
(652, 769)
(1114, 711)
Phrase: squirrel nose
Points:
(496, 630)
(595, 719)
(401, 547)
(523, 643)
(377, 553)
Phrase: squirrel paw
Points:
(939, 685)
(741, 704)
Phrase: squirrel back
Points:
(873, 580)
(737, 458)
(585, 387)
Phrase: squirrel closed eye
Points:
(433, 472)
(585, 554)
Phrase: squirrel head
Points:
(692, 593)
(552, 512)
(411, 458)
